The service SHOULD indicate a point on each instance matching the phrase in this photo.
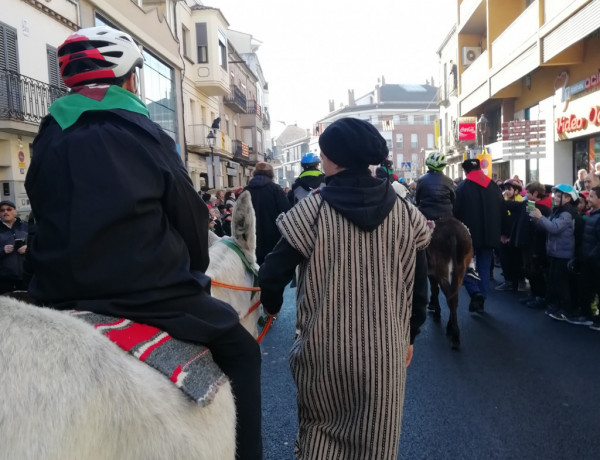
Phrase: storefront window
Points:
(581, 155)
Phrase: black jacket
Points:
(268, 201)
(435, 195)
(590, 243)
(480, 208)
(120, 228)
(11, 265)
(306, 182)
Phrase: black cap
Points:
(353, 143)
(471, 164)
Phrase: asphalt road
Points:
(523, 386)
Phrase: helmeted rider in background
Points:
(435, 194)
(120, 229)
(310, 179)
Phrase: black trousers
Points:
(238, 355)
(559, 289)
(12, 285)
(589, 286)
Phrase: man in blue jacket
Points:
(120, 229)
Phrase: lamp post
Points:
(482, 125)
(212, 139)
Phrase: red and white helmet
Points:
(97, 53)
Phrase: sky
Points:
(316, 50)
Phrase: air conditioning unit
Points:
(469, 54)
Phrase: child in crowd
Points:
(563, 228)
(510, 254)
(532, 239)
(590, 261)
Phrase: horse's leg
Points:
(434, 298)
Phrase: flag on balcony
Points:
(388, 125)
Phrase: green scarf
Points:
(67, 110)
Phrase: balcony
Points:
(519, 35)
(472, 17)
(253, 117)
(254, 108)
(24, 102)
(236, 101)
(196, 137)
(241, 152)
(476, 74)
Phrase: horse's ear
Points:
(243, 225)
(212, 238)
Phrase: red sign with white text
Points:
(466, 132)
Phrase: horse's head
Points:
(243, 226)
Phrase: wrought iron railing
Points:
(254, 108)
(24, 98)
(236, 100)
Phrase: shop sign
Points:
(592, 82)
(467, 129)
(578, 124)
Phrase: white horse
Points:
(67, 393)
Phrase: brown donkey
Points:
(448, 257)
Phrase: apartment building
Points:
(290, 145)
(404, 114)
(191, 82)
(30, 33)
(527, 77)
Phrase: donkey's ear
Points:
(243, 226)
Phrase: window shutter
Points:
(9, 58)
(202, 42)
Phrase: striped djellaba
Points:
(354, 301)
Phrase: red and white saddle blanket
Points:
(188, 365)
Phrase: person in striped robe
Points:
(356, 243)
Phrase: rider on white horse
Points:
(120, 229)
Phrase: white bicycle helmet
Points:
(97, 53)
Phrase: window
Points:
(57, 86)
(430, 143)
(414, 141)
(159, 93)
(411, 119)
(185, 32)
(10, 88)
(222, 50)
(389, 144)
(399, 141)
(202, 42)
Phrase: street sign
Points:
(524, 139)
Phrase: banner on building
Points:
(485, 161)
(244, 149)
(388, 125)
(467, 129)
(437, 132)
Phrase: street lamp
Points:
(212, 139)
(482, 125)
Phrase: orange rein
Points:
(252, 308)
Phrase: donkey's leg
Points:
(452, 327)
